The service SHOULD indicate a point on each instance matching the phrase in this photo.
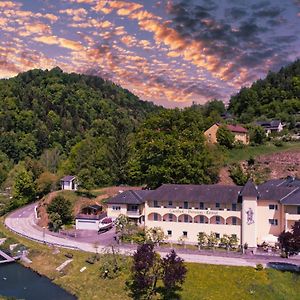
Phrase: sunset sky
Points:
(169, 52)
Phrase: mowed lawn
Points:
(202, 282)
(221, 282)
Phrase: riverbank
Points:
(203, 281)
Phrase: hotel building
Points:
(253, 214)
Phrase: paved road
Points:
(23, 222)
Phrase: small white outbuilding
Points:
(69, 183)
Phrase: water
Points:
(22, 283)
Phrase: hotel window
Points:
(116, 207)
(169, 232)
(170, 218)
(202, 220)
(217, 205)
(185, 205)
(273, 206)
(155, 217)
(217, 235)
(233, 207)
(201, 205)
(298, 210)
(155, 203)
(132, 208)
(186, 218)
(234, 221)
(184, 233)
(273, 222)
(218, 220)
(170, 203)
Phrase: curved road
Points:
(23, 222)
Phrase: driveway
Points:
(23, 222)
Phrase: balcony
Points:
(292, 217)
(133, 213)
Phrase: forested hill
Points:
(51, 109)
(276, 96)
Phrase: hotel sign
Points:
(193, 211)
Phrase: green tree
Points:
(55, 221)
(5, 166)
(46, 183)
(62, 207)
(257, 135)
(122, 222)
(225, 241)
(212, 240)
(233, 241)
(50, 159)
(214, 106)
(170, 147)
(155, 235)
(202, 239)
(23, 189)
(225, 137)
(112, 264)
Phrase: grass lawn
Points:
(202, 282)
(236, 155)
(221, 282)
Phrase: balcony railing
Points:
(133, 213)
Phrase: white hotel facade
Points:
(253, 214)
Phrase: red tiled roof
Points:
(237, 128)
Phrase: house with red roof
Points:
(240, 133)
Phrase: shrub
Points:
(278, 143)
(238, 175)
(239, 145)
(112, 264)
(259, 267)
(251, 161)
(92, 259)
(69, 255)
(9, 241)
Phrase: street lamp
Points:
(44, 234)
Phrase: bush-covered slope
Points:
(276, 96)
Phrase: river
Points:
(22, 283)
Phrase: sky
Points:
(171, 52)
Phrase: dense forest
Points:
(53, 123)
(276, 96)
(51, 109)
